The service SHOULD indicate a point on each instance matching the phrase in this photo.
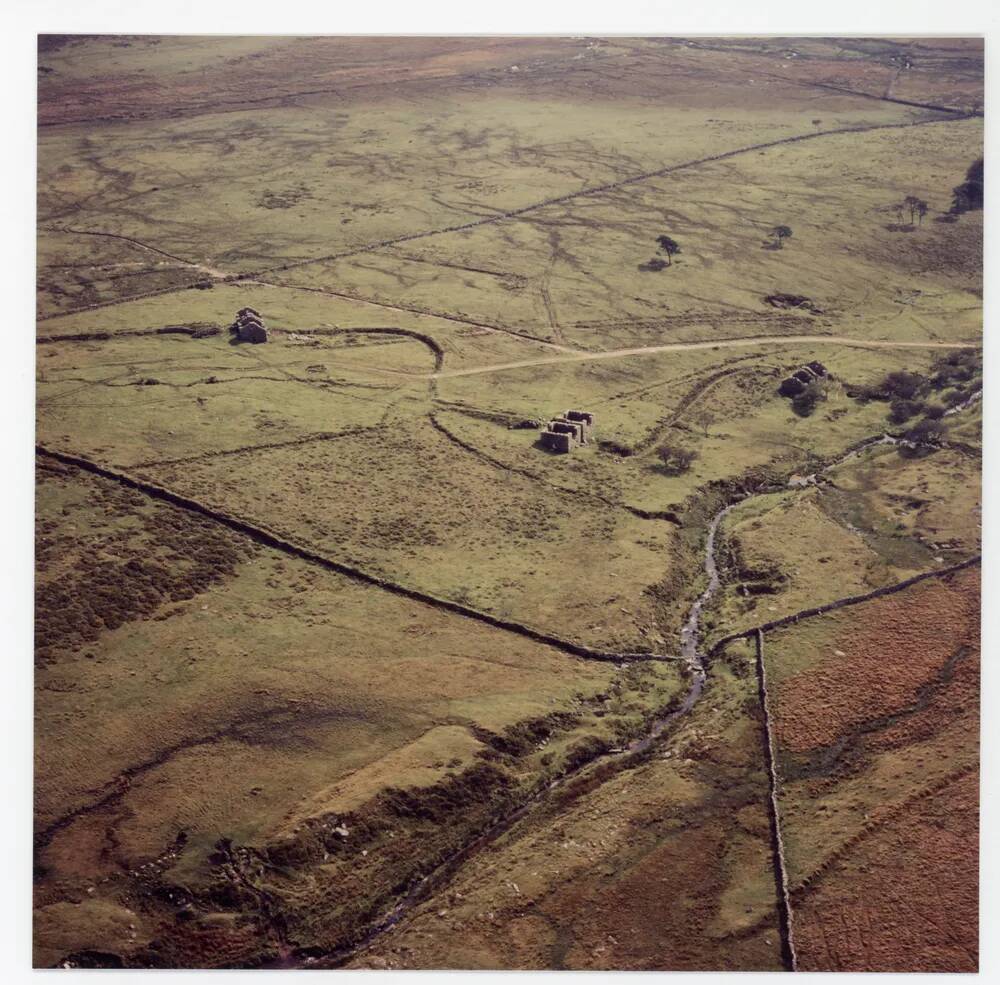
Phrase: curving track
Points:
(730, 343)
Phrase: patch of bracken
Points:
(132, 557)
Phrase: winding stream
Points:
(690, 638)
(694, 658)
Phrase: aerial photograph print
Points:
(507, 502)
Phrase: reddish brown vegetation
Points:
(900, 894)
(892, 648)
(297, 67)
(925, 917)
(654, 915)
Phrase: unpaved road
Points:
(577, 357)
(211, 271)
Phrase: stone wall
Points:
(558, 441)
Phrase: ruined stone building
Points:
(249, 326)
(793, 385)
(563, 434)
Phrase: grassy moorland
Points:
(335, 665)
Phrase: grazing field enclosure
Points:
(340, 660)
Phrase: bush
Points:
(903, 384)
(900, 410)
(675, 460)
(961, 357)
(616, 448)
(864, 393)
(926, 433)
(961, 367)
(804, 403)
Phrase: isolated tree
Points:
(674, 459)
(669, 246)
(780, 234)
(916, 207)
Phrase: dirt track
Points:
(514, 214)
(712, 344)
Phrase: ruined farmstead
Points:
(794, 384)
(572, 429)
(249, 326)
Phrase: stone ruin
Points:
(786, 301)
(563, 434)
(249, 326)
(794, 384)
(556, 441)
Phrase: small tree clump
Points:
(923, 438)
(956, 367)
(901, 409)
(968, 196)
(903, 384)
(917, 208)
(804, 403)
(675, 459)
